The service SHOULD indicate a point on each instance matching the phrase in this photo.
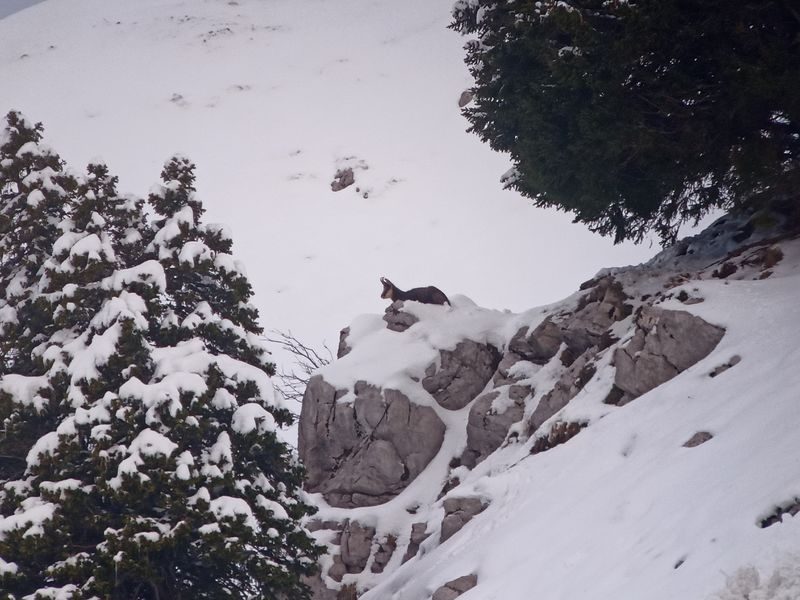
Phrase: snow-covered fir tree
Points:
(166, 478)
(209, 291)
(34, 194)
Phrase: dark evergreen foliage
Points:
(35, 195)
(146, 461)
(639, 115)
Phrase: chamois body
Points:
(426, 295)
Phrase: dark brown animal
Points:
(426, 295)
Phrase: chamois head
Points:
(387, 288)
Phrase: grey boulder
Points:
(461, 374)
(666, 342)
(366, 451)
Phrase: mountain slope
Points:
(623, 509)
(270, 98)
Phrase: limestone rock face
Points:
(666, 342)
(597, 311)
(453, 589)
(540, 345)
(462, 374)
(384, 554)
(342, 179)
(486, 429)
(356, 544)
(343, 349)
(502, 376)
(587, 326)
(366, 451)
(418, 535)
(458, 512)
(396, 319)
(566, 388)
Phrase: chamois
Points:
(426, 295)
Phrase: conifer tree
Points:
(167, 479)
(35, 195)
(639, 115)
(209, 291)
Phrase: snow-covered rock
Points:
(544, 448)
(361, 453)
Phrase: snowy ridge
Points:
(270, 99)
(624, 510)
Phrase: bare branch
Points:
(307, 360)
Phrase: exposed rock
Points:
(666, 342)
(356, 546)
(770, 257)
(791, 509)
(396, 319)
(503, 376)
(364, 452)
(338, 570)
(462, 373)
(519, 392)
(418, 535)
(458, 512)
(319, 591)
(597, 311)
(487, 429)
(726, 270)
(348, 592)
(719, 369)
(317, 525)
(453, 589)
(541, 345)
(384, 553)
(465, 98)
(701, 437)
(615, 396)
(343, 348)
(342, 179)
(566, 388)
(586, 327)
(559, 433)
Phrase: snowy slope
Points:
(623, 511)
(269, 97)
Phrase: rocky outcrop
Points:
(453, 589)
(343, 178)
(565, 389)
(701, 437)
(666, 342)
(364, 451)
(461, 374)
(343, 349)
(397, 319)
(538, 346)
(384, 553)
(419, 533)
(560, 433)
(457, 513)
(356, 545)
(588, 326)
(487, 428)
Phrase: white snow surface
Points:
(270, 98)
(623, 510)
